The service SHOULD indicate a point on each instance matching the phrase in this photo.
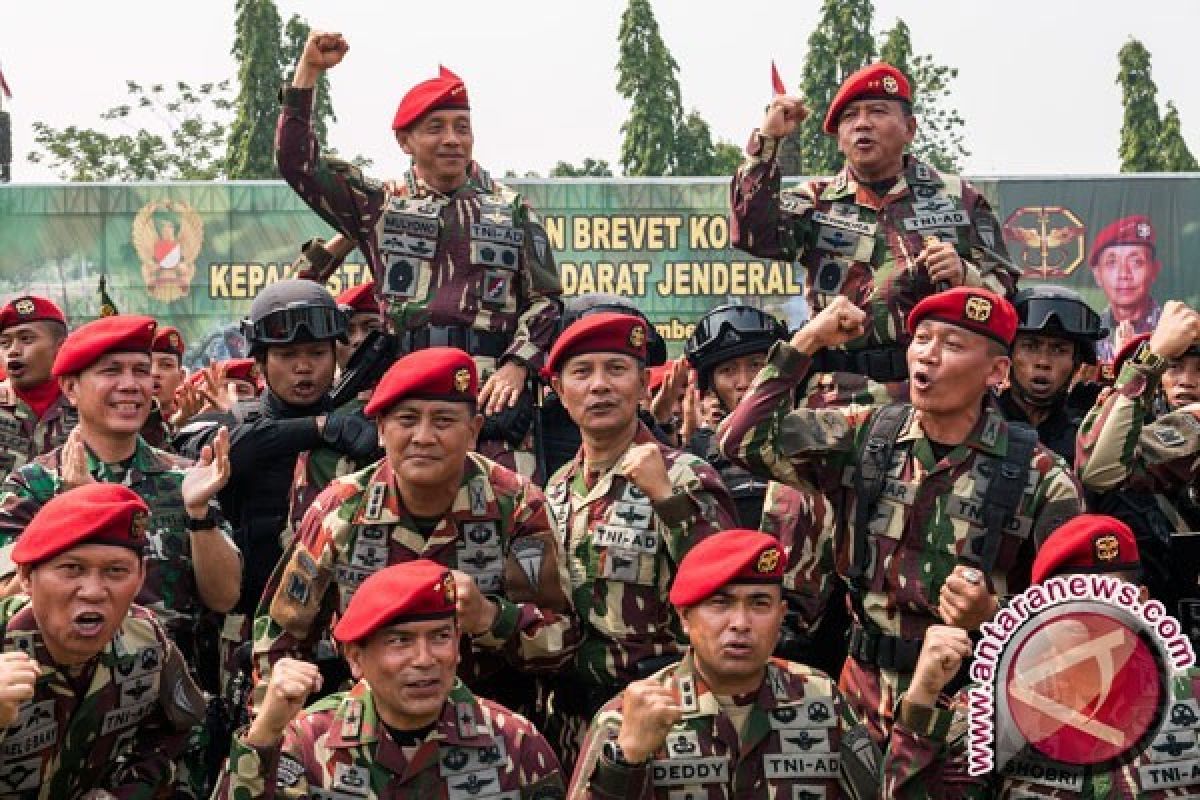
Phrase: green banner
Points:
(194, 254)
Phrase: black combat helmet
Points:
(730, 331)
(1059, 311)
(293, 310)
(584, 304)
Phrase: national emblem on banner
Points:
(168, 236)
(1045, 241)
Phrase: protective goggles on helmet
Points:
(735, 325)
(1070, 316)
(284, 325)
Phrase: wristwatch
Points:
(613, 753)
(1147, 359)
(205, 523)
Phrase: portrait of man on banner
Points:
(1125, 265)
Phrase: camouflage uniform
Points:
(800, 739)
(340, 748)
(315, 469)
(170, 587)
(476, 260)
(122, 733)
(23, 436)
(927, 512)
(497, 531)
(1120, 332)
(623, 552)
(927, 757)
(855, 243)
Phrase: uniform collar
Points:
(915, 172)
(145, 461)
(478, 180)
(356, 721)
(577, 466)
(989, 436)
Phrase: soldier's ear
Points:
(556, 383)
(22, 578)
(353, 653)
(69, 384)
(402, 138)
(998, 374)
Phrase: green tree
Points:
(175, 133)
(647, 77)
(295, 34)
(259, 53)
(693, 147)
(1176, 157)
(727, 157)
(590, 168)
(1141, 128)
(840, 44)
(939, 139)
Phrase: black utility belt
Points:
(882, 364)
(882, 650)
(477, 343)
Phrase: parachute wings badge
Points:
(168, 236)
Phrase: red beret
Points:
(1127, 230)
(29, 308)
(408, 592)
(123, 333)
(168, 340)
(359, 298)
(658, 375)
(1086, 543)
(875, 80)
(95, 513)
(445, 91)
(976, 310)
(605, 332)
(435, 373)
(733, 556)
(1127, 349)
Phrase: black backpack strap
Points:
(1002, 497)
(874, 459)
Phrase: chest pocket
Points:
(496, 254)
(407, 234)
(627, 542)
(368, 553)
(937, 212)
(805, 754)
(480, 553)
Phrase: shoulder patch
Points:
(1168, 436)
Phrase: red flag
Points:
(776, 81)
(4, 86)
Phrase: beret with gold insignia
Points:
(168, 340)
(604, 332)
(734, 556)
(408, 592)
(123, 333)
(435, 373)
(1087, 543)
(445, 91)
(95, 513)
(878, 80)
(30, 308)
(976, 310)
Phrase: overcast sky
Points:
(1036, 78)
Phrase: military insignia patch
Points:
(978, 309)
(637, 336)
(1169, 437)
(1143, 230)
(139, 526)
(175, 341)
(768, 560)
(448, 587)
(1106, 548)
(890, 85)
(24, 307)
(462, 380)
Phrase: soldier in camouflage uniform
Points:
(1143, 469)
(628, 509)
(431, 497)
(887, 231)
(95, 700)
(927, 756)
(407, 729)
(34, 416)
(729, 720)
(192, 563)
(927, 545)
(458, 259)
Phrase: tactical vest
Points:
(847, 233)
(409, 236)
